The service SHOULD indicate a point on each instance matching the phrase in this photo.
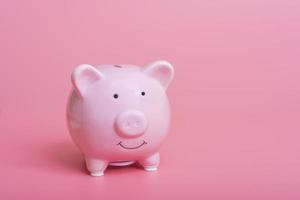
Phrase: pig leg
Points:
(96, 167)
(150, 163)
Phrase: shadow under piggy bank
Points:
(65, 157)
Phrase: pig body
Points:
(119, 114)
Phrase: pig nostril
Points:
(127, 125)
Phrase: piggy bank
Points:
(119, 114)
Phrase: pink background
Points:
(235, 97)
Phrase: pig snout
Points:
(131, 123)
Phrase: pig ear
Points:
(162, 71)
(83, 76)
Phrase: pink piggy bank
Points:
(120, 114)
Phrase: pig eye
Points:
(116, 96)
(143, 93)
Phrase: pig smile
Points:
(136, 147)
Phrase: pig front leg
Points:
(150, 163)
(96, 167)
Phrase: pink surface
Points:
(235, 96)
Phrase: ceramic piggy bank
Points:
(120, 114)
